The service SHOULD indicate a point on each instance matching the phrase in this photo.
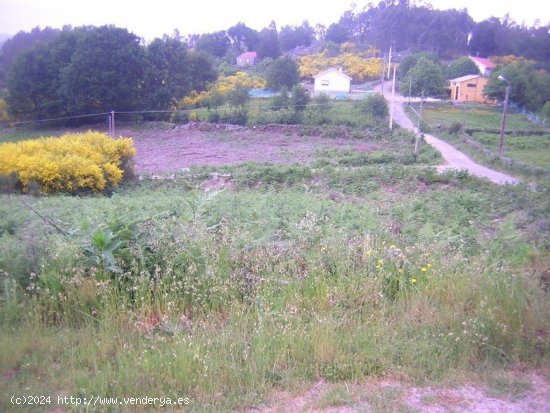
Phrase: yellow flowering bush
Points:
(223, 86)
(354, 65)
(73, 162)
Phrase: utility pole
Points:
(389, 62)
(463, 121)
(417, 141)
(504, 110)
(383, 72)
(392, 98)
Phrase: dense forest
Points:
(57, 72)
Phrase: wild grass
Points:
(337, 271)
(475, 117)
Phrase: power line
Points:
(62, 118)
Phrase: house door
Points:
(456, 93)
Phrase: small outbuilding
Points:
(247, 59)
(468, 89)
(485, 66)
(332, 80)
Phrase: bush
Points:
(454, 128)
(375, 105)
(179, 117)
(235, 117)
(299, 98)
(88, 161)
(213, 117)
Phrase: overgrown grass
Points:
(475, 117)
(342, 270)
(534, 150)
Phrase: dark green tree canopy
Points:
(17, 44)
(89, 69)
(461, 67)
(294, 36)
(426, 78)
(217, 44)
(35, 88)
(105, 72)
(172, 72)
(529, 87)
(411, 60)
(282, 72)
(337, 33)
(268, 45)
(243, 38)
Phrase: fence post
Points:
(113, 123)
(110, 123)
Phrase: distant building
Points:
(485, 66)
(247, 59)
(332, 80)
(468, 89)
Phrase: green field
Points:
(476, 116)
(346, 269)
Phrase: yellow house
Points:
(468, 89)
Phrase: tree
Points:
(215, 44)
(106, 72)
(425, 78)
(282, 72)
(201, 70)
(375, 106)
(337, 33)
(17, 44)
(529, 88)
(483, 41)
(461, 67)
(299, 98)
(168, 73)
(268, 45)
(411, 60)
(243, 38)
(239, 96)
(294, 36)
(34, 83)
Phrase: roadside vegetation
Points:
(526, 145)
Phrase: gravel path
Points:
(454, 159)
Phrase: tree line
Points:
(61, 72)
(98, 69)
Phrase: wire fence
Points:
(338, 113)
(481, 149)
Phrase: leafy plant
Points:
(100, 252)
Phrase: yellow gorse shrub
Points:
(72, 162)
(223, 86)
(356, 66)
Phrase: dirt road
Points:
(454, 159)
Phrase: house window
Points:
(324, 82)
(472, 85)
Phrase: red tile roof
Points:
(247, 55)
(485, 62)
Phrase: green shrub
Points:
(375, 106)
(180, 117)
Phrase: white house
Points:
(485, 66)
(332, 80)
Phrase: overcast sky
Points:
(153, 18)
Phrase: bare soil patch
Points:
(388, 395)
(179, 148)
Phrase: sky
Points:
(153, 18)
